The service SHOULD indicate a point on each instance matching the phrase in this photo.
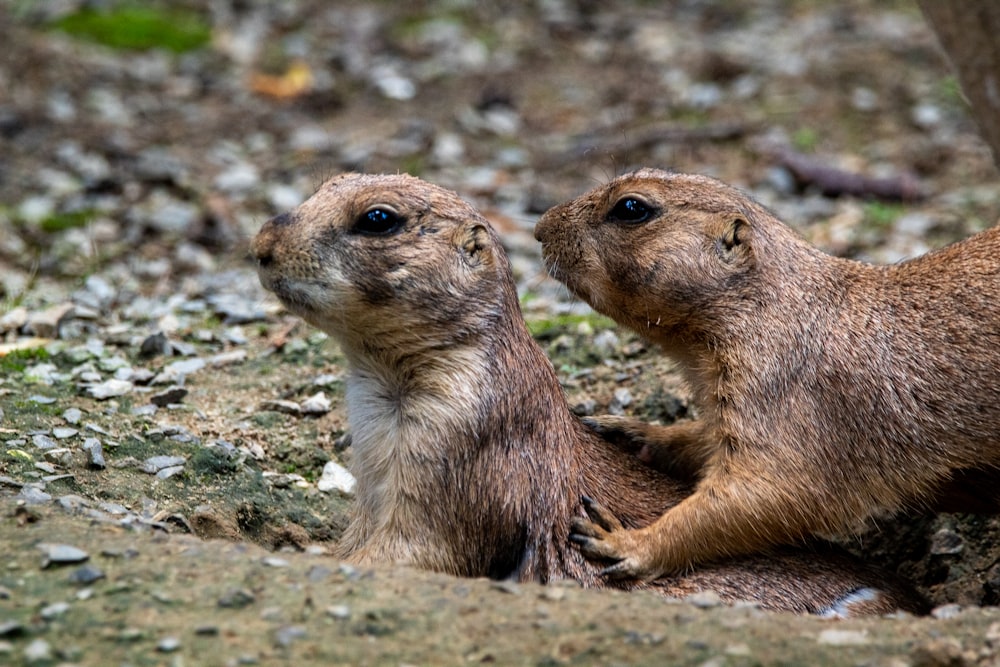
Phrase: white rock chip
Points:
(336, 477)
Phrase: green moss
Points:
(18, 360)
(138, 27)
(60, 222)
(547, 328)
(805, 139)
(212, 461)
(881, 214)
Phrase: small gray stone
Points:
(704, 599)
(155, 464)
(61, 554)
(168, 644)
(60, 456)
(72, 416)
(289, 634)
(227, 358)
(240, 177)
(95, 453)
(341, 612)
(73, 502)
(41, 400)
(336, 477)
(283, 406)
(54, 610)
(10, 628)
(109, 389)
(154, 345)
(946, 542)
(14, 320)
(38, 651)
(236, 309)
(317, 404)
(946, 611)
(63, 432)
(176, 372)
(32, 495)
(46, 323)
(85, 575)
(168, 396)
(167, 473)
(236, 598)
(43, 441)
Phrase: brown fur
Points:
(467, 458)
(827, 390)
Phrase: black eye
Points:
(630, 209)
(378, 222)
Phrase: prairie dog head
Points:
(652, 248)
(384, 262)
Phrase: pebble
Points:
(341, 612)
(227, 358)
(54, 610)
(168, 645)
(38, 651)
(336, 477)
(14, 320)
(236, 598)
(704, 599)
(289, 634)
(155, 464)
(72, 416)
(154, 345)
(280, 405)
(41, 400)
(62, 432)
(47, 322)
(317, 404)
(32, 495)
(946, 611)
(43, 441)
(61, 554)
(10, 628)
(170, 395)
(60, 456)
(946, 542)
(85, 575)
(109, 389)
(176, 372)
(73, 502)
(95, 453)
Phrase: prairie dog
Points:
(827, 389)
(467, 457)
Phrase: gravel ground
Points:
(153, 396)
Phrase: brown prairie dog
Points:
(467, 458)
(827, 389)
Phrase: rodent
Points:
(467, 458)
(827, 390)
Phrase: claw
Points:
(618, 570)
(585, 528)
(601, 516)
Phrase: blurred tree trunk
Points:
(969, 32)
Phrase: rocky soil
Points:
(171, 442)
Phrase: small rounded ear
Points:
(735, 239)
(472, 242)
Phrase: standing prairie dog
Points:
(827, 390)
(467, 457)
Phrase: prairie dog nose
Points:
(262, 246)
